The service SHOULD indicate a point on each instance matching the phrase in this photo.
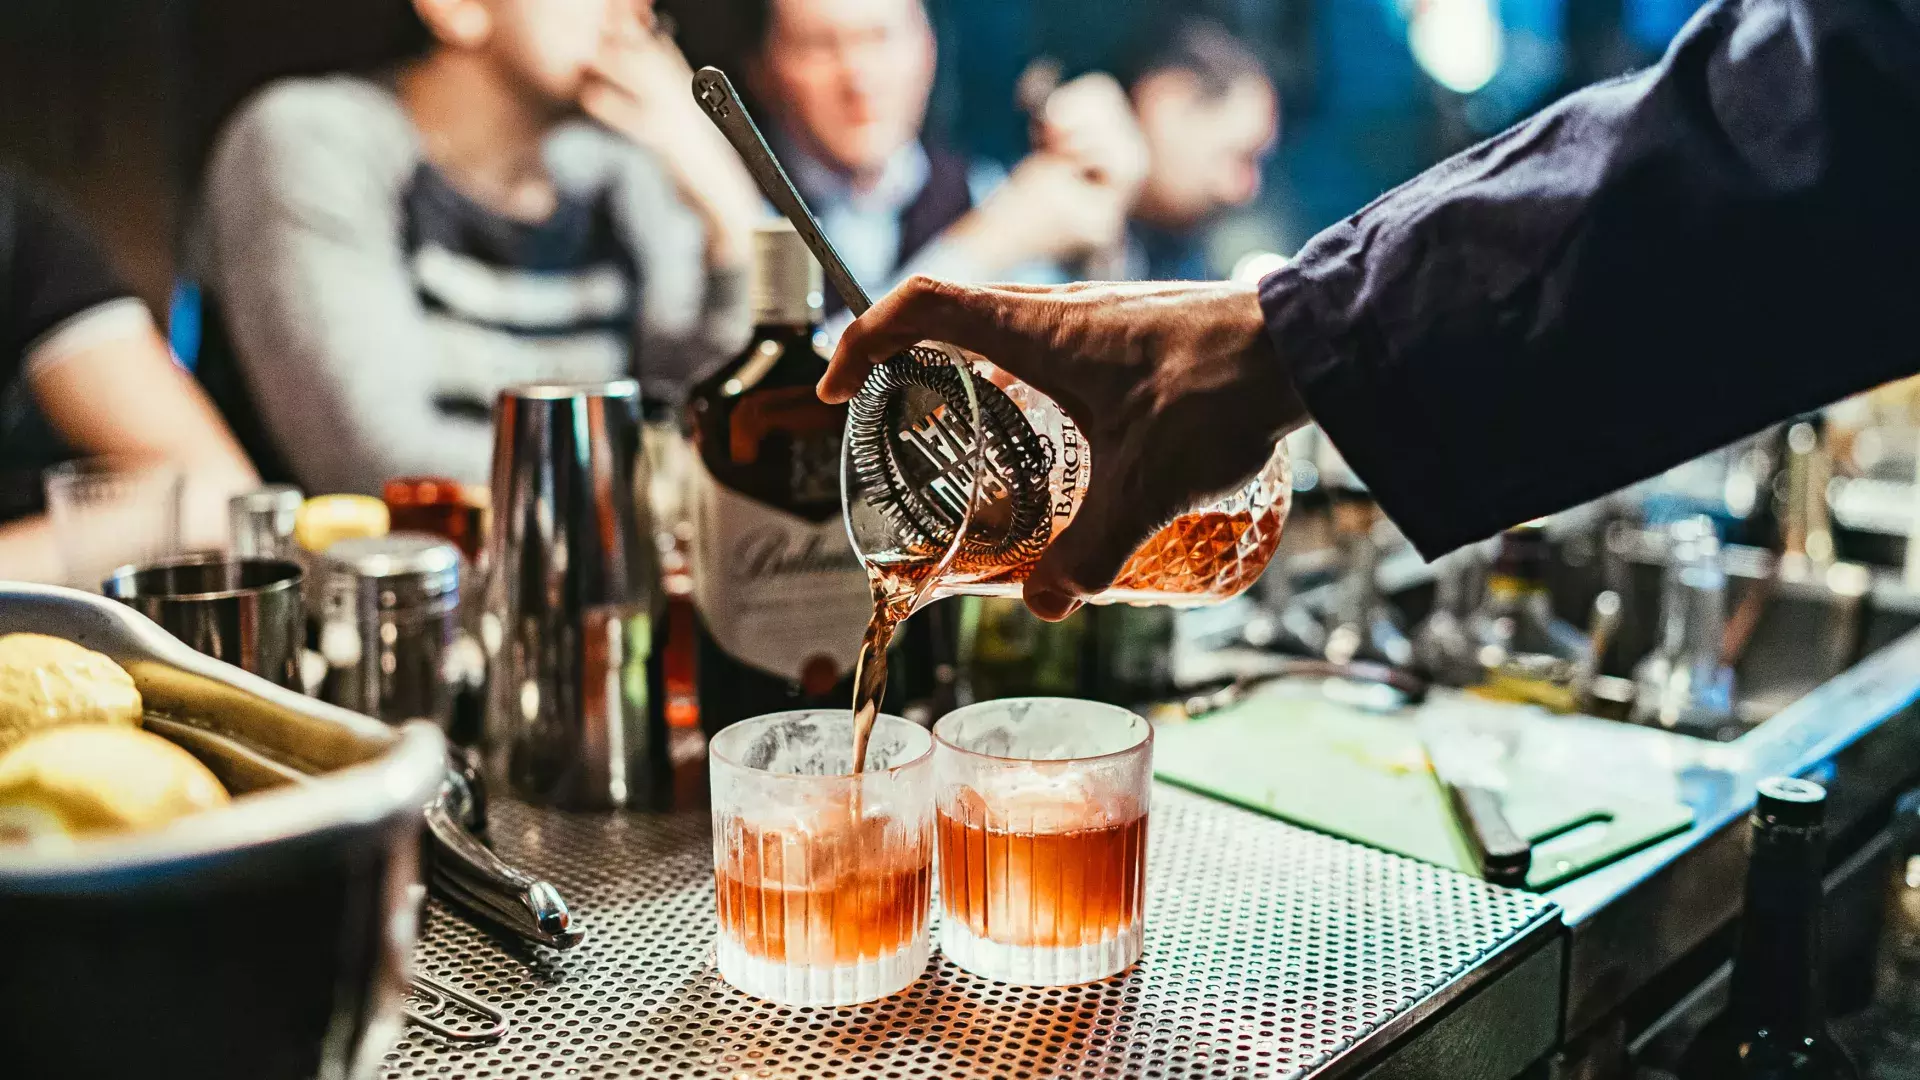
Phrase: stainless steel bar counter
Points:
(1271, 951)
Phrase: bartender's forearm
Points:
(1644, 271)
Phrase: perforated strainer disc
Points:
(918, 460)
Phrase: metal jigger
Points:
(570, 597)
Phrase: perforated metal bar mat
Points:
(1271, 951)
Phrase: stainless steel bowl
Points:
(267, 940)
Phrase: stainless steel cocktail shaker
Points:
(573, 718)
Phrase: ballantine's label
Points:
(776, 591)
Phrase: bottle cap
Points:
(326, 520)
(787, 283)
(1792, 802)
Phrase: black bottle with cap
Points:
(1776, 1025)
(782, 599)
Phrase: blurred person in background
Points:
(1210, 115)
(844, 85)
(534, 196)
(85, 373)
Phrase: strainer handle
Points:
(723, 106)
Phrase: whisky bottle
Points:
(1893, 1052)
(1006, 651)
(782, 600)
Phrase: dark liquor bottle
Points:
(1008, 652)
(1893, 1052)
(782, 599)
(1776, 1026)
(1127, 655)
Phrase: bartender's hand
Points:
(1175, 384)
(641, 86)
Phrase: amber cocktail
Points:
(822, 877)
(1043, 838)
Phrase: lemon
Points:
(47, 681)
(325, 520)
(95, 778)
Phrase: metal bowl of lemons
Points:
(201, 873)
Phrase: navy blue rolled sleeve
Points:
(1646, 270)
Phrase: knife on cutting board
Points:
(1474, 788)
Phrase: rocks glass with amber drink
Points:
(823, 876)
(1042, 807)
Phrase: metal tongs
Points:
(468, 874)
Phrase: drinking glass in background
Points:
(107, 514)
(822, 877)
(261, 523)
(1043, 838)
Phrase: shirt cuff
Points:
(115, 320)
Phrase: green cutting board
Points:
(1364, 776)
